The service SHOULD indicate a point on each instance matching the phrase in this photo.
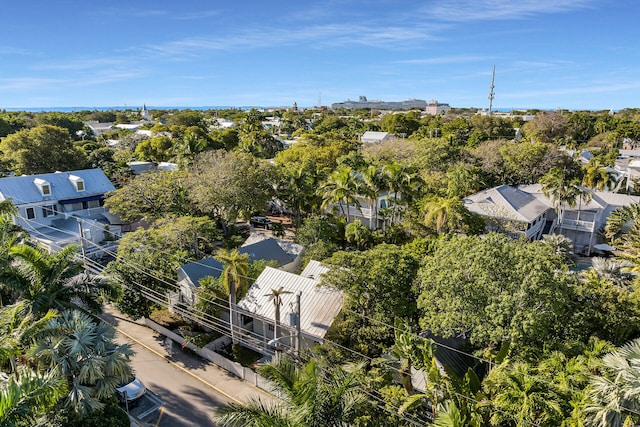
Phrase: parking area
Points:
(146, 410)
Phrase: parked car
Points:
(130, 390)
(260, 222)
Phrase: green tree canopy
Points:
(491, 290)
(41, 149)
(231, 185)
(151, 195)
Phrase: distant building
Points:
(144, 113)
(376, 137)
(363, 103)
(434, 108)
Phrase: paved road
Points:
(191, 388)
(188, 401)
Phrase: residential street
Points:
(190, 387)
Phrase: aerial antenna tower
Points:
(491, 94)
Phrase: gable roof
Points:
(196, 270)
(374, 136)
(506, 201)
(267, 249)
(23, 190)
(318, 305)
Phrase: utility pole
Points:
(298, 325)
(491, 95)
(82, 247)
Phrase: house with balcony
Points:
(510, 210)
(526, 211)
(59, 208)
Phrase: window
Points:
(85, 205)
(271, 327)
(43, 186)
(49, 210)
(31, 213)
(77, 182)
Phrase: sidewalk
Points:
(209, 374)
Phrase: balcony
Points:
(578, 225)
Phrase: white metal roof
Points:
(318, 305)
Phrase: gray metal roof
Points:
(22, 190)
(194, 271)
(267, 249)
(506, 201)
(318, 305)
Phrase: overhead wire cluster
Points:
(245, 336)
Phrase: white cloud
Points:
(475, 10)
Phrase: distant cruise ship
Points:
(362, 102)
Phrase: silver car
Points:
(130, 390)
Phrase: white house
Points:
(318, 307)
(55, 208)
(525, 210)
(510, 210)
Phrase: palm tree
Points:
(26, 397)
(234, 278)
(561, 189)
(340, 188)
(17, 329)
(299, 189)
(369, 186)
(521, 397)
(276, 297)
(598, 177)
(311, 396)
(84, 352)
(445, 215)
(186, 150)
(620, 221)
(54, 281)
(616, 394)
(401, 180)
(617, 272)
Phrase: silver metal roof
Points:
(318, 305)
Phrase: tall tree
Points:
(150, 196)
(235, 280)
(562, 189)
(598, 177)
(448, 215)
(231, 185)
(41, 149)
(340, 188)
(492, 290)
(370, 186)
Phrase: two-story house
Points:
(58, 208)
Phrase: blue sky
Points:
(574, 54)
